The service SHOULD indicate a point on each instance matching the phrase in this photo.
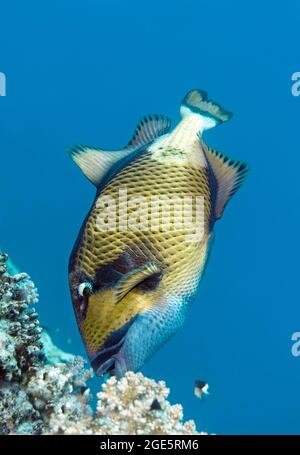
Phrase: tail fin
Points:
(196, 102)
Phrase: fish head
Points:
(106, 312)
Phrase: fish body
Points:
(140, 254)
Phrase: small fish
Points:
(201, 388)
(142, 249)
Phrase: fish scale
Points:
(107, 246)
(180, 260)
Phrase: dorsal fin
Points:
(133, 278)
(96, 163)
(229, 175)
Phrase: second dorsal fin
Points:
(149, 129)
(96, 163)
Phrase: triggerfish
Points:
(142, 249)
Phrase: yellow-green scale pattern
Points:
(181, 261)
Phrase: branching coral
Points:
(20, 352)
(126, 407)
(41, 394)
(33, 392)
(20, 349)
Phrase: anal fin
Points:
(229, 175)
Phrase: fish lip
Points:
(104, 359)
(105, 367)
(120, 366)
(116, 366)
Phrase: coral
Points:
(17, 414)
(59, 392)
(20, 348)
(125, 407)
(44, 390)
(32, 391)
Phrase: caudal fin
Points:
(196, 102)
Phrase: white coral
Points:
(124, 407)
(52, 383)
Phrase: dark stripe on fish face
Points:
(106, 277)
(94, 312)
(109, 275)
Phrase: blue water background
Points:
(85, 72)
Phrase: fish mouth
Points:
(114, 366)
(105, 360)
(109, 358)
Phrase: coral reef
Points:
(40, 394)
(20, 349)
(125, 407)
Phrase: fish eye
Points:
(85, 289)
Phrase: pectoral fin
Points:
(135, 277)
